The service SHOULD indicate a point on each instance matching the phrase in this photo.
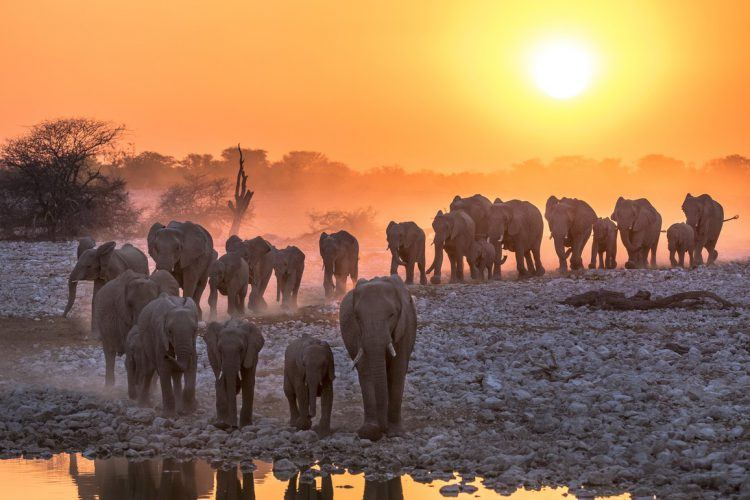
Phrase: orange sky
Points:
(440, 85)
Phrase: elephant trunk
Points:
(72, 286)
(560, 250)
(183, 355)
(230, 391)
(328, 272)
(313, 382)
(376, 366)
(278, 288)
(437, 262)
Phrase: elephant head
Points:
(233, 349)
(695, 208)
(317, 366)
(256, 250)
(166, 282)
(179, 330)
(92, 264)
(383, 313)
(175, 244)
(139, 291)
(501, 222)
(632, 220)
(399, 237)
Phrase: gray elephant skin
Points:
(406, 242)
(517, 226)
(186, 250)
(288, 266)
(454, 233)
(308, 374)
(478, 208)
(639, 225)
(259, 255)
(706, 216)
(482, 258)
(680, 241)
(168, 328)
(570, 223)
(230, 276)
(378, 324)
(340, 253)
(101, 265)
(233, 348)
(118, 305)
(604, 244)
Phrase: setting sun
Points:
(562, 69)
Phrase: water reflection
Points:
(383, 490)
(304, 490)
(231, 485)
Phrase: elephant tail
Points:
(731, 218)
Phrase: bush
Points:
(198, 199)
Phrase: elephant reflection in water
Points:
(384, 490)
(299, 490)
(120, 479)
(229, 486)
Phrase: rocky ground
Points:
(504, 383)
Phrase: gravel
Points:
(504, 384)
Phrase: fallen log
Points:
(642, 301)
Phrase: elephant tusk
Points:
(221, 374)
(356, 359)
(391, 350)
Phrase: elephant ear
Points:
(350, 332)
(323, 237)
(408, 313)
(331, 366)
(212, 346)
(643, 219)
(195, 243)
(86, 243)
(514, 224)
(552, 202)
(151, 238)
(254, 343)
(411, 237)
(390, 227)
(618, 204)
(497, 200)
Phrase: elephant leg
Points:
(340, 285)
(394, 264)
(109, 362)
(144, 396)
(682, 258)
(177, 388)
(520, 266)
(241, 299)
(653, 255)
(326, 405)
(190, 287)
(397, 368)
(712, 253)
(594, 252)
(297, 284)
(222, 406)
(672, 259)
(94, 326)
(538, 268)
(291, 397)
(410, 272)
(188, 392)
(421, 265)
(529, 263)
(460, 268)
(248, 395)
(167, 393)
(690, 257)
(303, 404)
(602, 260)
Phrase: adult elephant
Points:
(478, 208)
(259, 255)
(570, 223)
(454, 233)
(118, 305)
(168, 327)
(639, 225)
(101, 265)
(378, 323)
(706, 216)
(340, 253)
(406, 242)
(186, 250)
(288, 266)
(517, 226)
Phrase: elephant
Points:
(259, 255)
(289, 266)
(570, 223)
(186, 250)
(639, 225)
(233, 348)
(101, 265)
(230, 275)
(340, 253)
(406, 242)
(517, 226)
(378, 322)
(135, 362)
(117, 307)
(706, 216)
(681, 240)
(308, 373)
(168, 327)
(604, 244)
(482, 257)
(478, 208)
(454, 233)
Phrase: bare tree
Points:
(199, 199)
(242, 196)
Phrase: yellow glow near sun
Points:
(562, 68)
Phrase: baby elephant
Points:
(135, 362)
(680, 240)
(482, 258)
(229, 275)
(604, 244)
(233, 349)
(288, 265)
(309, 373)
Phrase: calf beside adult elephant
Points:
(454, 233)
(680, 241)
(706, 216)
(639, 225)
(517, 226)
(259, 255)
(186, 250)
(406, 242)
(100, 265)
(288, 266)
(604, 244)
(570, 223)
(230, 275)
(378, 324)
(340, 253)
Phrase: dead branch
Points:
(242, 196)
(642, 301)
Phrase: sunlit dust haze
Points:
(585, 99)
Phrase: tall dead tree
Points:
(242, 196)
